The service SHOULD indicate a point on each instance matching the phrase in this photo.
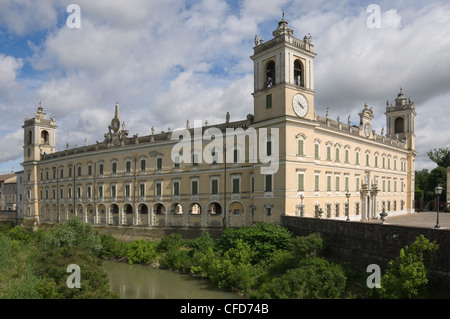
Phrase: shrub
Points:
(112, 248)
(307, 246)
(315, 278)
(170, 242)
(20, 234)
(73, 233)
(264, 238)
(201, 243)
(407, 276)
(141, 251)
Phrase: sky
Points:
(167, 61)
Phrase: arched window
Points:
(270, 74)
(399, 125)
(45, 138)
(298, 73)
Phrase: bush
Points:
(264, 238)
(20, 234)
(170, 242)
(141, 251)
(201, 243)
(52, 265)
(307, 246)
(281, 261)
(315, 278)
(112, 248)
(407, 276)
(75, 234)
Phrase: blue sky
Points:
(169, 61)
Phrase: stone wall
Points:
(362, 244)
(133, 233)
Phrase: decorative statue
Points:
(228, 117)
(256, 40)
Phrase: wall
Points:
(133, 233)
(362, 244)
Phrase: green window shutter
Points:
(268, 101)
(329, 183)
(316, 183)
(316, 151)
(268, 183)
(214, 187)
(176, 188)
(235, 186)
(301, 182)
(300, 144)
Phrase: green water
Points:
(146, 282)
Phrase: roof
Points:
(5, 177)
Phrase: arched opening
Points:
(101, 210)
(298, 73)
(399, 125)
(70, 212)
(176, 209)
(159, 209)
(62, 213)
(114, 214)
(214, 208)
(29, 137)
(45, 138)
(143, 214)
(270, 74)
(128, 211)
(90, 213)
(195, 209)
(80, 210)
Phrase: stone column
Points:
(364, 192)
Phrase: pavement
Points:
(423, 219)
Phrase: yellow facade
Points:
(322, 165)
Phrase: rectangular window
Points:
(346, 156)
(316, 151)
(114, 168)
(214, 187)
(337, 155)
(142, 190)
(90, 170)
(395, 186)
(268, 183)
(357, 158)
(176, 188)
(384, 185)
(100, 168)
(127, 191)
(252, 184)
(89, 190)
(61, 193)
(70, 171)
(158, 189)
(113, 191)
(159, 163)
(100, 191)
(338, 182)
(176, 162)
(367, 159)
(268, 101)
(316, 183)
(194, 187)
(328, 183)
(329, 153)
(301, 182)
(79, 192)
(346, 181)
(357, 184)
(79, 170)
(69, 193)
(128, 166)
(143, 164)
(300, 144)
(389, 186)
(235, 183)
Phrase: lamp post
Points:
(347, 194)
(438, 191)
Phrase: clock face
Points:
(115, 124)
(367, 129)
(300, 105)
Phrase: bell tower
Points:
(283, 75)
(400, 120)
(39, 136)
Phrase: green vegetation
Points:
(263, 261)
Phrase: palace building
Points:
(324, 168)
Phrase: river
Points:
(146, 282)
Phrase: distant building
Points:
(141, 181)
(8, 192)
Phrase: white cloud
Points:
(9, 68)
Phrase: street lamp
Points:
(438, 191)
(347, 194)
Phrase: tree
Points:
(407, 276)
(440, 156)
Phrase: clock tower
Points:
(283, 76)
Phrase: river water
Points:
(146, 282)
